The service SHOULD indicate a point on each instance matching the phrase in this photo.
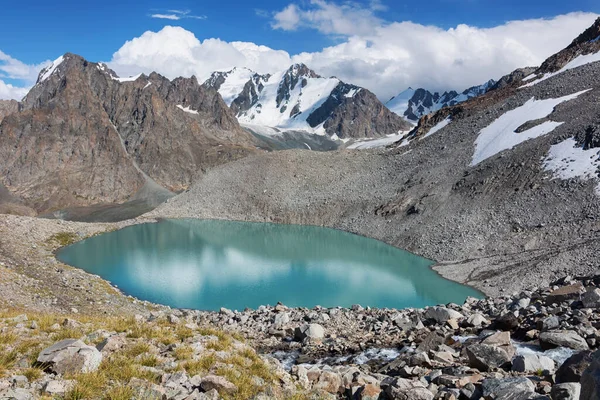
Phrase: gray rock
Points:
(533, 363)
(508, 388)
(70, 356)
(310, 331)
(590, 379)
(219, 383)
(145, 390)
(485, 357)
(442, 314)
(281, 320)
(477, 320)
(57, 387)
(405, 389)
(17, 394)
(570, 339)
(566, 391)
(591, 299)
(550, 323)
(572, 369)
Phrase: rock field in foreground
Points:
(509, 347)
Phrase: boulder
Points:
(591, 299)
(549, 323)
(485, 357)
(281, 320)
(572, 369)
(566, 391)
(477, 320)
(310, 331)
(145, 390)
(533, 363)
(570, 339)
(442, 314)
(58, 388)
(508, 388)
(565, 293)
(590, 379)
(219, 383)
(405, 389)
(70, 356)
(329, 382)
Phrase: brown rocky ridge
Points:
(84, 136)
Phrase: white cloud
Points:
(329, 18)
(385, 58)
(25, 74)
(174, 51)
(176, 15)
(10, 92)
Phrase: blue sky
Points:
(34, 31)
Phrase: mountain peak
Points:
(301, 69)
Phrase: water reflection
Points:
(211, 264)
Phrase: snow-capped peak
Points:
(49, 70)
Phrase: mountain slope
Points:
(413, 104)
(299, 99)
(519, 217)
(85, 136)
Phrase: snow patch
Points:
(574, 63)
(187, 109)
(500, 135)
(49, 70)
(376, 143)
(147, 84)
(438, 127)
(128, 79)
(352, 93)
(235, 80)
(529, 77)
(399, 104)
(567, 160)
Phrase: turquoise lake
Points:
(208, 264)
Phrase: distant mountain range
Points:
(413, 104)
(299, 99)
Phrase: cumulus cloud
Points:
(329, 18)
(381, 56)
(176, 15)
(174, 51)
(25, 74)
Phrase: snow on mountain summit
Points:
(300, 99)
(413, 104)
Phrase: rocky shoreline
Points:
(499, 346)
(536, 344)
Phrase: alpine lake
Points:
(209, 264)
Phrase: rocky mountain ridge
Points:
(300, 99)
(494, 193)
(413, 104)
(84, 136)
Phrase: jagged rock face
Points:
(84, 136)
(413, 104)
(8, 107)
(357, 115)
(586, 43)
(515, 77)
(300, 99)
(297, 73)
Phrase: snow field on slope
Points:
(438, 127)
(234, 84)
(51, 68)
(567, 160)
(574, 63)
(500, 134)
(312, 96)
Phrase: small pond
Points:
(209, 264)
